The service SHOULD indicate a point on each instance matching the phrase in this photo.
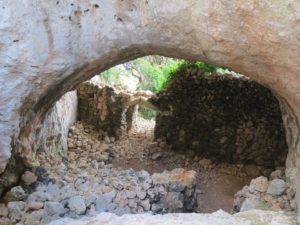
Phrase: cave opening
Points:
(133, 139)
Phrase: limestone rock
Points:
(77, 204)
(259, 184)
(15, 194)
(16, 210)
(250, 204)
(35, 205)
(277, 187)
(29, 178)
(103, 201)
(54, 208)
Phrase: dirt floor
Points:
(216, 184)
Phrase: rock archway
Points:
(47, 48)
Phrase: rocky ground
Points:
(135, 175)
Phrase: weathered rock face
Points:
(223, 117)
(71, 42)
(53, 135)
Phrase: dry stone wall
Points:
(222, 117)
(104, 107)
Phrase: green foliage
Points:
(155, 76)
(146, 113)
(155, 72)
(112, 76)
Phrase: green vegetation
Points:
(153, 72)
(154, 76)
(146, 113)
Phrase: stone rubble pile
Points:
(82, 183)
(110, 190)
(86, 145)
(267, 194)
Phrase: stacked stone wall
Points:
(223, 117)
(104, 107)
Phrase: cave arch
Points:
(71, 42)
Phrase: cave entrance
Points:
(214, 130)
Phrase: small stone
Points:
(34, 218)
(118, 185)
(277, 187)
(293, 204)
(259, 184)
(3, 210)
(277, 174)
(250, 204)
(174, 200)
(141, 195)
(90, 199)
(103, 147)
(121, 199)
(130, 194)
(54, 208)
(106, 139)
(132, 203)
(156, 156)
(145, 204)
(15, 194)
(16, 209)
(35, 205)
(175, 186)
(53, 191)
(38, 196)
(205, 163)
(77, 205)
(111, 207)
(29, 178)
(103, 201)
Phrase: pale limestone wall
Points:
(53, 134)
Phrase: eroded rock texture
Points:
(223, 117)
(47, 53)
(53, 135)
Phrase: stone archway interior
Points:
(71, 42)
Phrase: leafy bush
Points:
(155, 76)
(155, 72)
